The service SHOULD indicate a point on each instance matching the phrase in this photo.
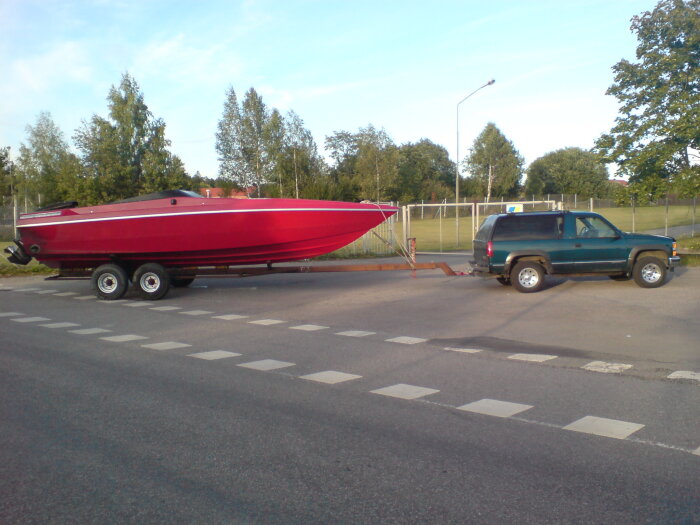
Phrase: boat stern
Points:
(17, 254)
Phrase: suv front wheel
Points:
(527, 277)
(649, 272)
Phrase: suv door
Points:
(599, 246)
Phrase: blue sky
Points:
(340, 65)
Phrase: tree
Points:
(570, 171)
(495, 165)
(232, 166)
(46, 171)
(301, 161)
(425, 172)
(6, 173)
(657, 134)
(127, 153)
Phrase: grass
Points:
(8, 269)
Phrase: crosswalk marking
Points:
(606, 368)
(601, 426)
(10, 314)
(165, 308)
(355, 333)
(196, 312)
(463, 350)
(214, 354)
(30, 319)
(123, 338)
(90, 331)
(330, 377)
(405, 340)
(685, 374)
(535, 358)
(230, 317)
(59, 325)
(266, 322)
(308, 327)
(167, 345)
(403, 391)
(494, 407)
(266, 365)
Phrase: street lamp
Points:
(457, 174)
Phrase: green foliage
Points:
(657, 134)
(425, 173)
(6, 172)
(494, 157)
(570, 171)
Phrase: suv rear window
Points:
(486, 227)
(518, 227)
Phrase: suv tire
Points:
(527, 277)
(649, 272)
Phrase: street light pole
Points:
(458, 160)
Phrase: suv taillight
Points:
(489, 249)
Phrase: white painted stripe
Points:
(45, 292)
(403, 391)
(65, 294)
(494, 407)
(230, 317)
(10, 314)
(115, 301)
(308, 327)
(355, 333)
(59, 325)
(196, 312)
(90, 331)
(85, 297)
(266, 322)
(138, 304)
(685, 374)
(601, 426)
(606, 368)
(330, 377)
(166, 308)
(405, 340)
(26, 289)
(214, 354)
(266, 365)
(204, 212)
(463, 350)
(535, 358)
(697, 452)
(168, 345)
(123, 338)
(30, 319)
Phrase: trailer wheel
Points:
(151, 281)
(110, 282)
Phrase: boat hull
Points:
(187, 231)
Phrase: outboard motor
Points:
(17, 254)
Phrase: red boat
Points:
(176, 229)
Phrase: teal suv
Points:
(521, 248)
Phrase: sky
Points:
(400, 65)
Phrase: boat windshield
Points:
(167, 194)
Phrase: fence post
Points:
(692, 231)
(590, 206)
(666, 218)
(634, 210)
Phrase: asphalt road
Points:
(351, 398)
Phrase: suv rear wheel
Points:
(649, 272)
(527, 276)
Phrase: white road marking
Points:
(30, 319)
(403, 391)
(26, 289)
(266, 322)
(405, 340)
(266, 365)
(494, 407)
(601, 426)
(463, 350)
(355, 333)
(168, 345)
(230, 317)
(166, 308)
(90, 331)
(535, 358)
(308, 327)
(330, 377)
(85, 297)
(138, 304)
(606, 368)
(123, 338)
(44, 292)
(196, 312)
(685, 374)
(697, 452)
(65, 294)
(214, 354)
(10, 314)
(115, 301)
(59, 325)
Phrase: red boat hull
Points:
(191, 231)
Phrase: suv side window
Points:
(593, 228)
(535, 227)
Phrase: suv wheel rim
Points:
(651, 273)
(528, 277)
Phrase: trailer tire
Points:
(151, 281)
(109, 281)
